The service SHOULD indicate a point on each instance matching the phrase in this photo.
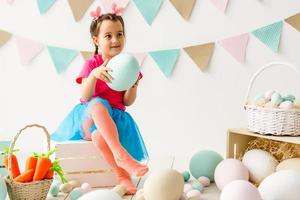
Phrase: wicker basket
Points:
(274, 121)
(36, 190)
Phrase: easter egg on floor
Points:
(281, 185)
(204, 163)
(125, 71)
(100, 194)
(165, 184)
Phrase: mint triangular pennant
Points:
(28, 49)
(148, 9)
(44, 5)
(294, 21)
(166, 60)
(270, 35)
(4, 37)
(61, 57)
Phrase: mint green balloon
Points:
(204, 163)
(3, 189)
(125, 71)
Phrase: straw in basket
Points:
(274, 121)
(36, 190)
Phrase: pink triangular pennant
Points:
(140, 57)
(28, 49)
(220, 4)
(236, 46)
(107, 4)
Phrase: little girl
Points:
(101, 115)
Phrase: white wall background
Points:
(180, 115)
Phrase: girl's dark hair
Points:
(96, 23)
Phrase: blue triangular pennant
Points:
(166, 60)
(44, 5)
(61, 57)
(270, 35)
(148, 8)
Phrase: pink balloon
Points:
(230, 170)
(240, 190)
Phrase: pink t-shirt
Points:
(115, 98)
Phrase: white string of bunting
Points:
(166, 59)
(148, 9)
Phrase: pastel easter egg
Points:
(193, 194)
(65, 188)
(74, 183)
(120, 190)
(125, 71)
(197, 186)
(186, 176)
(286, 105)
(281, 185)
(260, 100)
(289, 97)
(86, 187)
(76, 193)
(268, 94)
(271, 104)
(276, 98)
(187, 187)
(260, 164)
(204, 181)
(54, 189)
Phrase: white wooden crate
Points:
(81, 160)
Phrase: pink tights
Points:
(106, 139)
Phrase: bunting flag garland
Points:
(201, 54)
(148, 9)
(184, 7)
(28, 49)
(79, 8)
(270, 35)
(220, 4)
(87, 54)
(44, 5)
(4, 37)
(236, 46)
(140, 57)
(294, 21)
(61, 57)
(166, 60)
(107, 4)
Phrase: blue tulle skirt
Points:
(129, 134)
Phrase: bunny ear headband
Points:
(115, 10)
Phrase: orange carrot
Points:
(31, 162)
(42, 167)
(25, 177)
(49, 174)
(14, 162)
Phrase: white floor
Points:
(162, 162)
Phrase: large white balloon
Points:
(260, 164)
(283, 185)
(101, 194)
(165, 184)
(240, 190)
(125, 71)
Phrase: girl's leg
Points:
(123, 177)
(107, 127)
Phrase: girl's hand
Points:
(102, 73)
(135, 84)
